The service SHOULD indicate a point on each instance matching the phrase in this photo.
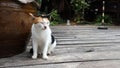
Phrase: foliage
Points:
(39, 1)
(79, 6)
(107, 19)
(54, 17)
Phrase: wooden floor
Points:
(77, 47)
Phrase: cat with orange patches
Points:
(42, 40)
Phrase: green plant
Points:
(107, 19)
(54, 17)
(39, 1)
(79, 7)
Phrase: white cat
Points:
(26, 1)
(42, 40)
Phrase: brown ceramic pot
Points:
(15, 26)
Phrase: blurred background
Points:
(82, 11)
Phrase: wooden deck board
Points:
(77, 47)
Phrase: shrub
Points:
(107, 19)
(79, 6)
(55, 17)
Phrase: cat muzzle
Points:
(44, 28)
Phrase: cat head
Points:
(39, 21)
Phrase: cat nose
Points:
(44, 27)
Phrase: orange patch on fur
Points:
(37, 20)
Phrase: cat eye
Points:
(42, 22)
(47, 22)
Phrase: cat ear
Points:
(32, 15)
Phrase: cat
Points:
(25, 1)
(42, 40)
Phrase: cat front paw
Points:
(45, 57)
(34, 57)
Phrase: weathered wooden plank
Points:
(79, 49)
(88, 42)
(87, 64)
(62, 58)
